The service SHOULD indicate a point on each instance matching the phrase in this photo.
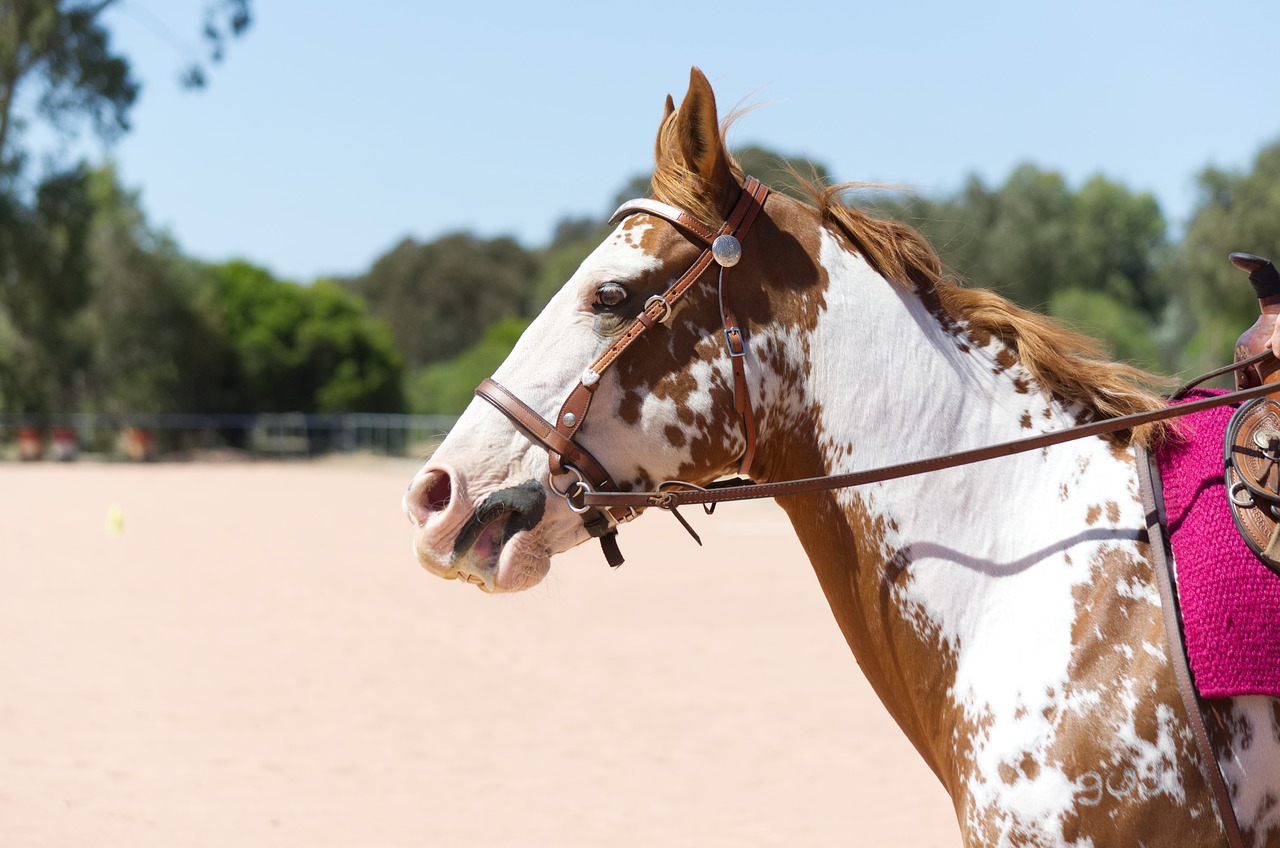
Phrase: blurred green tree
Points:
(152, 348)
(779, 171)
(302, 348)
(439, 297)
(1237, 211)
(57, 67)
(43, 284)
(445, 388)
(61, 50)
(1091, 257)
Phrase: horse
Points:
(1006, 613)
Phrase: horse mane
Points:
(1071, 367)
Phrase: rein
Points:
(675, 493)
(596, 496)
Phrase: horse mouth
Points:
(494, 549)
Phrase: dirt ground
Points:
(247, 655)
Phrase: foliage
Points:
(63, 51)
(439, 297)
(1237, 212)
(69, 246)
(447, 387)
(151, 348)
(43, 285)
(302, 349)
(1090, 256)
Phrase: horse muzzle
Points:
(491, 544)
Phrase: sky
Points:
(334, 130)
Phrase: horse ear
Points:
(699, 145)
(667, 111)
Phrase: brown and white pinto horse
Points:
(1006, 613)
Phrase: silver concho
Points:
(589, 377)
(569, 419)
(1265, 436)
(726, 250)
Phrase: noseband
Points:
(566, 455)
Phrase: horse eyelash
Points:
(598, 306)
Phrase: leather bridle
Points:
(596, 496)
(565, 455)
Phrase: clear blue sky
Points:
(335, 129)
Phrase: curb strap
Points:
(1161, 560)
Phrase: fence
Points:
(196, 436)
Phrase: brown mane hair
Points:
(1069, 366)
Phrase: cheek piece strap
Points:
(566, 457)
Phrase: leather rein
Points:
(596, 496)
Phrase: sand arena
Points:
(247, 655)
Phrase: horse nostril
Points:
(439, 493)
(430, 493)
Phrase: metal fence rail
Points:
(144, 436)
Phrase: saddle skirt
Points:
(1229, 599)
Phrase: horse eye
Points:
(610, 296)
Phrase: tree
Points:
(1090, 256)
(446, 388)
(439, 297)
(151, 346)
(43, 284)
(302, 349)
(1236, 212)
(57, 66)
(63, 51)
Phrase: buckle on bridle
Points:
(733, 338)
(664, 303)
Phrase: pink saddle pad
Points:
(1230, 600)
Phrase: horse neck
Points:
(938, 578)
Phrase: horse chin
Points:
(492, 565)
(521, 564)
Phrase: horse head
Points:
(488, 505)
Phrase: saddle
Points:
(1252, 461)
(1251, 449)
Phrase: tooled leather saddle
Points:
(1252, 463)
(1251, 450)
